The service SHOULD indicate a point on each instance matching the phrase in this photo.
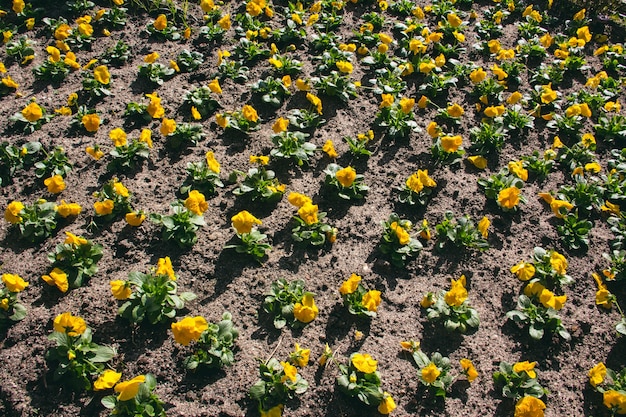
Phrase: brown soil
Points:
(225, 281)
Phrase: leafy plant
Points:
(143, 402)
(180, 226)
(201, 99)
(155, 72)
(360, 379)
(461, 232)
(345, 182)
(451, 307)
(35, 222)
(278, 383)
(11, 310)
(77, 257)
(75, 359)
(54, 163)
(433, 372)
(153, 297)
(292, 145)
(417, 189)
(396, 242)
(185, 134)
(14, 158)
(189, 61)
(518, 380)
(359, 301)
(284, 299)
(273, 91)
(311, 228)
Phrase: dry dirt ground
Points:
(225, 281)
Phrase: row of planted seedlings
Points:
(396, 117)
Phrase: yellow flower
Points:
(345, 67)
(215, 87)
(244, 221)
(455, 110)
(135, 218)
(221, 120)
(174, 65)
(212, 163)
(615, 400)
(371, 300)
(387, 405)
(433, 129)
(164, 267)
(454, 20)
(457, 294)
(477, 75)
(529, 407)
(62, 32)
(523, 270)
(120, 289)
(478, 161)
(597, 374)
(414, 183)
(423, 102)
(346, 176)
(103, 207)
(403, 236)
(508, 198)
(329, 148)
(350, 285)
(161, 22)
(101, 74)
(68, 209)
(12, 212)
(9, 82)
(364, 363)
(276, 411)
(580, 15)
(128, 389)
(18, 6)
(308, 213)
(558, 263)
(549, 300)
(14, 283)
(71, 325)
(306, 310)
(154, 109)
(517, 169)
(146, 137)
(560, 207)
(106, 380)
(224, 22)
(528, 367)
(168, 126)
(583, 33)
(315, 101)
(468, 369)
(250, 113)
(151, 57)
(57, 278)
(196, 203)
(387, 100)
(118, 136)
(290, 372)
(55, 184)
(72, 239)
(426, 67)
(407, 104)
(299, 356)
(261, 159)
(120, 189)
(188, 329)
(32, 112)
(430, 373)
(91, 122)
(548, 95)
(483, 226)
(451, 143)
(494, 111)
(610, 207)
(280, 125)
(4, 304)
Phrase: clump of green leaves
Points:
(273, 91)
(14, 158)
(253, 242)
(518, 380)
(203, 176)
(201, 99)
(153, 296)
(345, 182)
(537, 310)
(278, 383)
(144, 402)
(155, 72)
(360, 379)
(214, 348)
(185, 134)
(397, 119)
(433, 372)
(292, 145)
(77, 257)
(280, 303)
(36, 222)
(75, 359)
(461, 232)
(452, 308)
(11, 310)
(180, 226)
(260, 184)
(359, 301)
(396, 242)
(55, 162)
